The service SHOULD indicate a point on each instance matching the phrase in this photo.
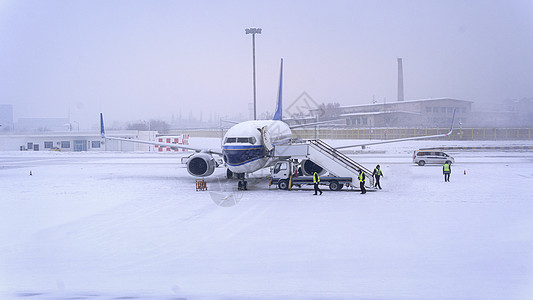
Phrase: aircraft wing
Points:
(312, 124)
(161, 144)
(402, 139)
(395, 140)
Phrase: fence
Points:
(391, 133)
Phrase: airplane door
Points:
(265, 137)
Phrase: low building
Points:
(77, 141)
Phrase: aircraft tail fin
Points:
(102, 130)
(279, 107)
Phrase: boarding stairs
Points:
(329, 158)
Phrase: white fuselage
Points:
(243, 147)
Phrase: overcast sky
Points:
(153, 59)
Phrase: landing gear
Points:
(243, 184)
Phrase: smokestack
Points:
(400, 80)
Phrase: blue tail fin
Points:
(279, 107)
(102, 131)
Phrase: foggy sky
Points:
(135, 60)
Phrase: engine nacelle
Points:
(309, 168)
(201, 164)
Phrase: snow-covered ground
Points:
(132, 226)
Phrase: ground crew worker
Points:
(362, 181)
(377, 174)
(446, 170)
(316, 181)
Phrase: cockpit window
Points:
(249, 140)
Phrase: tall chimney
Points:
(400, 80)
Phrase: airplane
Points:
(247, 146)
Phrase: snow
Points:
(132, 226)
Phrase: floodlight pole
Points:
(253, 31)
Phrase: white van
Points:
(422, 157)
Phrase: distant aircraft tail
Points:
(279, 107)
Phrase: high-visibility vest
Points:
(316, 179)
(446, 168)
(361, 177)
(378, 172)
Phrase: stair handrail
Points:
(339, 156)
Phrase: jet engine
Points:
(309, 168)
(201, 164)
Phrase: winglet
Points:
(279, 107)
(453, 118)
(102, 131)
